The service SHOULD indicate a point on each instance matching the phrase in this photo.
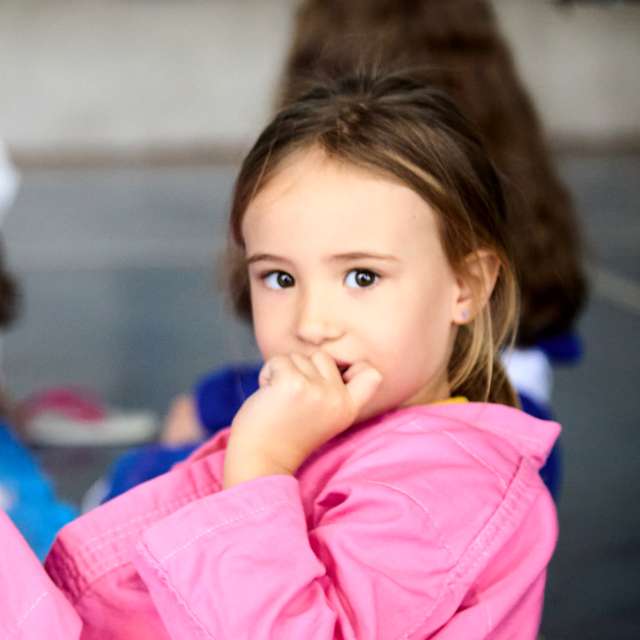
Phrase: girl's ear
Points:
(476, 280)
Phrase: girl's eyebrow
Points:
(339, 257)
(363, 255)
(259, 257)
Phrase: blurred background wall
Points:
(111, 78)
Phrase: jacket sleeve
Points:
(31, 606)
(242, 563)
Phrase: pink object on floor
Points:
(73, 402)
(74, 416)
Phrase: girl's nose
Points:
(318, 321)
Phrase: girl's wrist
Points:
(248, 466)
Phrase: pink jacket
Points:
(427, 522)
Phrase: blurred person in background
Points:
(459, 42)
(9, 181)
(59, 415)
(26, 494)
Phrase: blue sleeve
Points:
(218, 397)
(221, 393)
(551, 473)
(27, 496)
(143, 463)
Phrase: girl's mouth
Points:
(343, 367)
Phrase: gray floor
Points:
(120, 296)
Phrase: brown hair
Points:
(8, 311)
(8, 294)
(401, 128)
(460, 41)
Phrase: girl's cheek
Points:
(268, 328)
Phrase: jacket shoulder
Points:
(463, 477)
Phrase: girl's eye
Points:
(360, 278)
(278, 280)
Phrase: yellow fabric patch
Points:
(454, 400)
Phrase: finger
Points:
(354, 370)
(362, 385)
(326, 366)
(273, 369)
(264, 377)
(304, 364)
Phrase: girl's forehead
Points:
(314, 194)
(302, 170)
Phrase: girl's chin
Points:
(375, 408)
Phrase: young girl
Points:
(380, 483)
(26, 494)
(462, 42)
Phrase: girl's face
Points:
(349, 262)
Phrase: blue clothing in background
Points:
(26, 495)
(220, 394)
(141, 464)
(551, 473)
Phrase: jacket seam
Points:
(476, 456)
(90, 544)
(487, 537)
(165, 580)
(163, 574)
(27, 614)
(64, 565)
(414, 421)
(426, 511)
(220, 525)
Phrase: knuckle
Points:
(335, 404)
(297, 384)
(277, 360)
(319, 355)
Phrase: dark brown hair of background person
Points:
(8, 312)
(8, 293)
(400, 128)
(460, 42)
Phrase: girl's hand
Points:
(302, 403)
